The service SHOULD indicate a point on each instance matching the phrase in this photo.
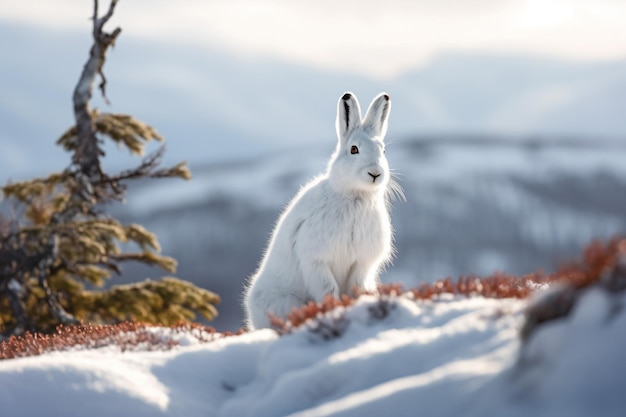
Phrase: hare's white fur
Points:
(335, 234)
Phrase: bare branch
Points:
(13, 290)
(95, 16)
(100, 22)
(88, 152)
(147, 169)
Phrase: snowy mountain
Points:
(212, 105)
(448, 356)
(473, 206)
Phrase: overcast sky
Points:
(374, 38)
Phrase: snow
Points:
(450, 356)
(581, 358)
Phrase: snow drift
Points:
(390, 355)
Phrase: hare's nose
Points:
(374, 175)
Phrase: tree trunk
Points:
(88, 152)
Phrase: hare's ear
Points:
(348, 115)
(377, 115)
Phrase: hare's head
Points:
(359, 164)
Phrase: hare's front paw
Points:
(319, 280)
(363, 279)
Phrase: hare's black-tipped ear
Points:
(377, 115)
(348, 115)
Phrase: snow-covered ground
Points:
(448, 357)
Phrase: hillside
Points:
(394, 355)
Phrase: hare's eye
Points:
(354, 150)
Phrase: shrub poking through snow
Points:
(127, 336)
(603, 266)
(328, 319)
(312, 310)
(498, 285)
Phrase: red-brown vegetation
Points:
(127, 336)
(602, 264)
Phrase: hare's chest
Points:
(357, 230)
(369, 233)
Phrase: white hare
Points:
(335, 234)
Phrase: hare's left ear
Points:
(377, 115)
(348, 116)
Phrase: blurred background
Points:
(507, 129)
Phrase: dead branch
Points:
(147, 168)
(88, 152)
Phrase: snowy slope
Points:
(451, 356)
